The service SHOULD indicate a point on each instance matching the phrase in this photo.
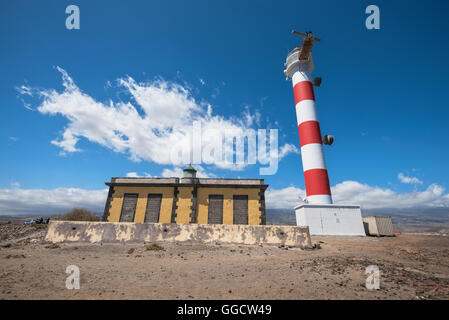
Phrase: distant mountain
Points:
(281, 216)
(418, 220)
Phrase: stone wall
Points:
(110, 232)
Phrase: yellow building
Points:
(186, 200)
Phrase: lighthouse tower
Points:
(318, 211)
(313, 163)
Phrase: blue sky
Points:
(384, 94)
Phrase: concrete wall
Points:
(110, 232)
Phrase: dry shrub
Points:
(39, 226)
(153, 247)
(77, 214)
(53, 246)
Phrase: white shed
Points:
(331, 219)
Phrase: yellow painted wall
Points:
(117, 201)
(228, 204)
(184, 205)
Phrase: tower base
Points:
(330, 219)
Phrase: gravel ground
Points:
(411, 267)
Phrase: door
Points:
(215, 210)
(241, 209)
(153, 208)
(129, 207)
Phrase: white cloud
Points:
(369, 197)
(24, 90)
(249, 118)
(108, 84)
(136, 175)
(409, 180)
(158, 117)
(286, 198)
(216, 92)
(202, 82)
(132, 175)
(376, 197)
(286, 149)
(177, 172)
(48, 202)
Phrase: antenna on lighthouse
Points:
(302, 56)
(307, 44)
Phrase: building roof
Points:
(206, 182)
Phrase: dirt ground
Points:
(411, 266)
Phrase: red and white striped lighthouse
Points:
(318, 213)
(299, 67)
